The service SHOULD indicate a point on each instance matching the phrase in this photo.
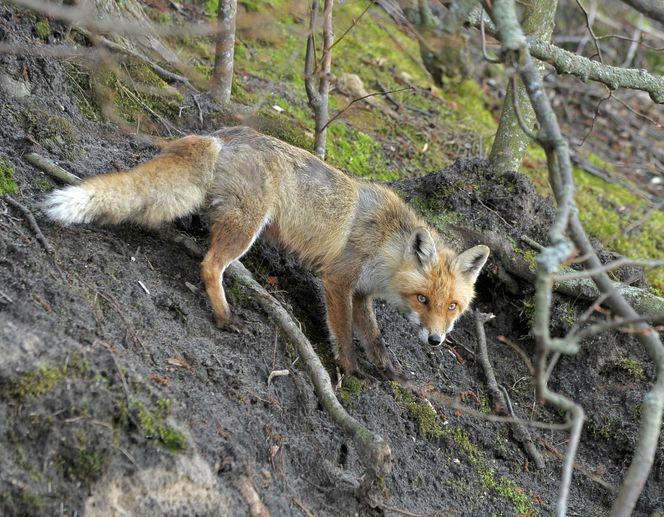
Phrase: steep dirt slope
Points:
(117, 392)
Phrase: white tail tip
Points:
(70, 205)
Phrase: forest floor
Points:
(119, 394)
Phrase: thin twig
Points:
(519, 432)
(590, 30)
(32, 222)
(623, 261)
(342, 111)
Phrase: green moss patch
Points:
(8, 184)
(610, 212)
(33, 384)
(43, 29)
(350, 388)
(428, 421)
(150, 421)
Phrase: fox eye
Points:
(452, 307)
(422, 299)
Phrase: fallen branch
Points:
(372, 448)
(251, 497)
(31, 221)
(642, 300)
(52, 169)
(519, 431)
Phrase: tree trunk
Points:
(223, 65)
(510, 143)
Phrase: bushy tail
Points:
(169, 186)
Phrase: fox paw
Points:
(394, 374)
(233, 324)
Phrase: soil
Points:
(119, 394)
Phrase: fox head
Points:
(435, 286)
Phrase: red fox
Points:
(364, 241)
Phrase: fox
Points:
(363, 240)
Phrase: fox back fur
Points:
(362, 238)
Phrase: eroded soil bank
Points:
(118, 393)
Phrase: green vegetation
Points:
(428, 421)
(429, 427)
(43, 29)
(54, 132)
(607, 210)
(7, 182)
(151, 423)
(350, 387)
(631, 367)
(20, 501)
(89, 462)
(508, 489)
(33, 384)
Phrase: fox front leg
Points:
(366, 326)
(339, 303)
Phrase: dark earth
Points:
(118, 395)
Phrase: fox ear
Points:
(422, 246)
(471, 261)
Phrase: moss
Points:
(21, 502)
(428, 422)
(7, 183)
(81, 86)
(631, 367)
(509, 490)
(350, 388)
(461, 438)
(87, 464)
(151, 423)
(528, 309)
(55, 133)
(361, 151)
(43, 29)
(357, 153)
(607, 210)
(45, 185)
(33, 384)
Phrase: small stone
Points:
(13, 88)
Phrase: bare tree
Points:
(511, 142)
(566, 233)
(225, 48)
(319, 96)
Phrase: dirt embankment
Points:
(118, 393)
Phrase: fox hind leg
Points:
(230, 238)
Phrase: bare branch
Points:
(590, 30)
(519, 432)
(651, 8)
(623, 261)
(31, 221)
(614, 77)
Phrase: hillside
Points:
(119, 394)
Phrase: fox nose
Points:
(435, 339)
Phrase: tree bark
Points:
(319, 97)
(510, 143)
(651, 8)
(224, 53)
